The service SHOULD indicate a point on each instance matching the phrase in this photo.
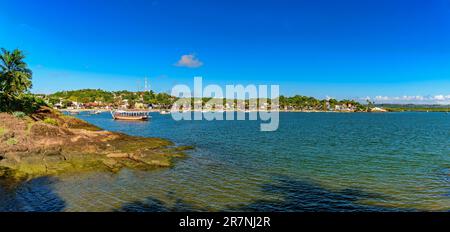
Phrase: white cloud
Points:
(437, 99)
(189, 61)
(381, 98)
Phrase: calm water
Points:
(314, 162)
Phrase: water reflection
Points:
(36, 195)
(296, 196)
(314, 162)
(305, 196)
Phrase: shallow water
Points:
(314, 162)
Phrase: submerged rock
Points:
(49, 143)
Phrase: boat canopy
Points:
(132, 113)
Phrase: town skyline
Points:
(394, 52)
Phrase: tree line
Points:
(15, 83)
(164, 100)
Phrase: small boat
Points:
(164, 112)
(131, 115)
(95, 112)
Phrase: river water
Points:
(313, 162)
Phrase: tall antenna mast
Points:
(146, 85)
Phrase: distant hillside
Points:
(116, 98)
(413, 107)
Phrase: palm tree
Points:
(15, 76)
(370, 105)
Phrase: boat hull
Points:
(131, 118)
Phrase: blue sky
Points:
(389, 50)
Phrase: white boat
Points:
(131, 115)
(95, 112)
(164, 112)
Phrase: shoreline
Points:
(281, 111)
(49, 143)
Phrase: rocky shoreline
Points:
(50, 143)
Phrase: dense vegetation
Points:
(15, 82)
(416, 108)
(113, 99)
(164, 100)
(38, 141)
(302, 102)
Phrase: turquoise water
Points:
(314, 162)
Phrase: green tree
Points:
(333, 102)
(370, 105)
(15, 76)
